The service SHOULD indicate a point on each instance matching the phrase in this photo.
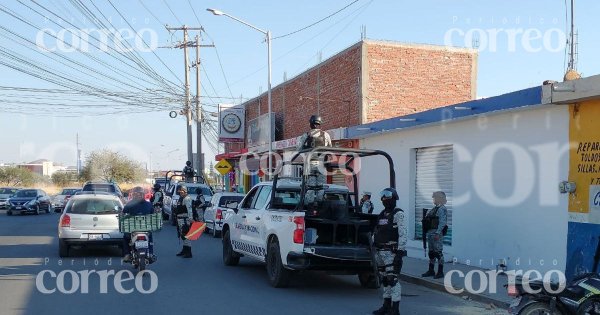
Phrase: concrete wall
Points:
(506, 173)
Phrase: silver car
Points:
(215, 212)
(89, 219)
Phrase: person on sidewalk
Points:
(366, 206)
(390, 242)
(436, 220)
(184, 212)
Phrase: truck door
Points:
(241, 238)
(256, 221)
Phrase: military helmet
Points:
(389, 193)
(316, 120)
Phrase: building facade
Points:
(369, 81)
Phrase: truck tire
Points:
(230, 258)
(367, 280)
(279, 277)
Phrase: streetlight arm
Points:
(217, 12)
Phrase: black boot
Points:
(430, 272)
(188, 252)
(395, 309)
(440, 273)
(182, 252)
(387, 305)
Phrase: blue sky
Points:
(519, 41)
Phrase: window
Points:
(224, 200)
(93, 206)
(286, 199)
(250, 198)
(26, 194)
(263, 197)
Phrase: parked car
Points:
(215, 212)
(171, 197)
(59, 201)
(29, 200)
(90, 219)
(5, 193)
(108, 187)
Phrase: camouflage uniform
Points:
(315, 164)
(186, 218)
(389, 264)
(436, 247)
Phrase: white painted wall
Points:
(506, 174)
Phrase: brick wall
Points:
(392, 79)
(405, 79)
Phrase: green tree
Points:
(16, 176)
(63, 179)
(108, 165)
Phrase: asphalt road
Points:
(201, 285)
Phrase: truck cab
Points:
(277, 225)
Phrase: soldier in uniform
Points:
(366, 206)
(184, 214)
(316, 137)
(390, 242)
(188, 172)
(436, 220)
(157, 197)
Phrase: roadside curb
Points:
(434, 285)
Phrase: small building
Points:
(42, 167)
(368, 81)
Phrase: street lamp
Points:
(268, 34)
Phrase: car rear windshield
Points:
(26, 193)
(68, 191)
(205, 190)
(227, 199)
(93, 206)
(99, 187)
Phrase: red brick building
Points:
(369, 81)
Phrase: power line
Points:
(176, 18)
(317, 22)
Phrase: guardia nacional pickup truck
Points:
(276, 225)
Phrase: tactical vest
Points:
(314, 139)
(181, 208)
(432, 220)
(387, 230)
(157, 196)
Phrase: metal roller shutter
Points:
(434, 172)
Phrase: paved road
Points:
(201, 285)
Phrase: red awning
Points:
(230, 155)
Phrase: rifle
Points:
(373, 259)
(424, 227)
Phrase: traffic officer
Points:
(312, 139)
(390, 242)
(436, 219)
(188, 172)
(157, 197)
(184, 212)
(366, 206)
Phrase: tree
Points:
(63, 179)
(16, 176)
(107, 165)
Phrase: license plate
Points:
(515, 302)
(141, 244)
(94, 237)
(18, 207)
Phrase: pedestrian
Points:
(366, 206)
(185, 214)
(435, 223)
(188, 172)
(314, 138)
(390, 243)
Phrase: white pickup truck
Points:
(274, 226)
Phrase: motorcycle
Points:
(141, 256)
(581, 296)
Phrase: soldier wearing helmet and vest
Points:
(157, 197)
(189, 172)
(185, 214)
(390, 242)
(313, 139)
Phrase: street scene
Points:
(269, 157)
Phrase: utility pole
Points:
(78, 155)
(187, 109)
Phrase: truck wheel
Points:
(230, 258)
(538, 308)
(367, 280)
(279, 277)
(63, 248)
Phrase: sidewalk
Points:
(412, 268)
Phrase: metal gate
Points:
(434, 172)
